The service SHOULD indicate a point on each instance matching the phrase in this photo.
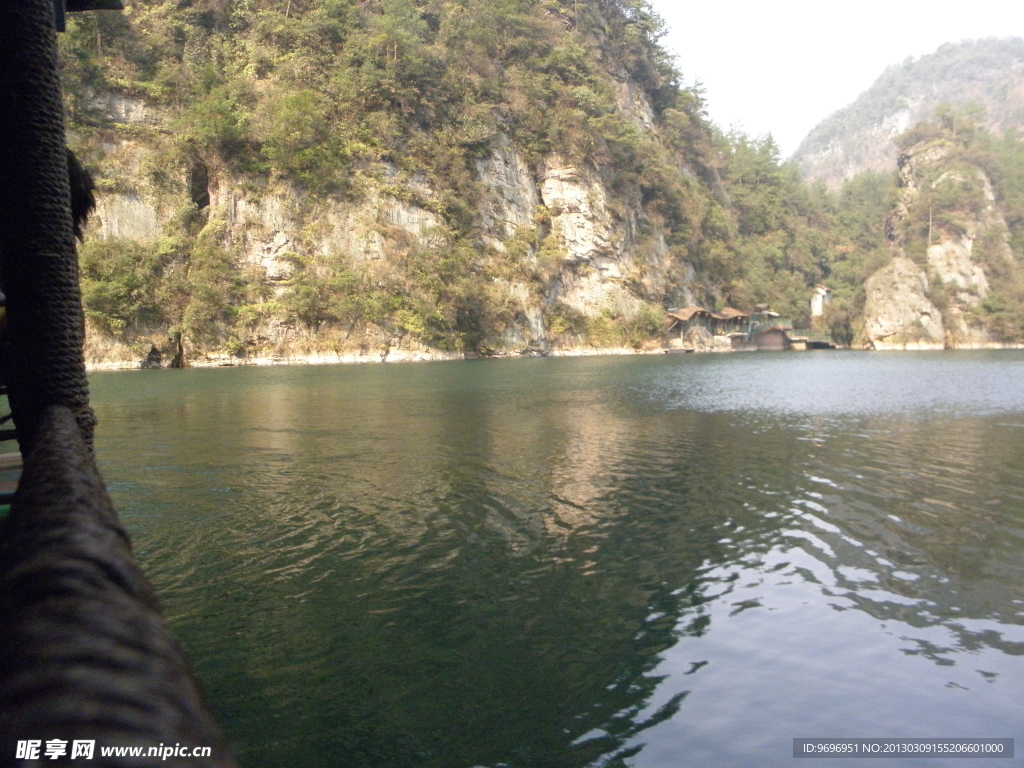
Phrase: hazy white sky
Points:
(784, 65)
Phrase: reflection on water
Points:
(647, 562)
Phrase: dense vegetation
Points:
(319, 94)
(953, 196)
(322, 95)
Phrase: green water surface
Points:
(644, 561)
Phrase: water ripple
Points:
(584, 562)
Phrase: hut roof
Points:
(728, 313)
(686, 313)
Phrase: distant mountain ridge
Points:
(859, 137)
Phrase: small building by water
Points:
(696, 329)
(768, 330)
(821, 296)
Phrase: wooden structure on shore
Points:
(722, 323)
(694, 328)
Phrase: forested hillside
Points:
(957, 233)
(986, 74)
(478, 176)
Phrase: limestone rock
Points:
(512, 199)
(954, 259)
(911, 163)
(611, 260)
(119, 108)
(579, 213)
(843, 157)
(700, 339)
(960, 334)
(860, 136)
(126, 216)
(263, 228)
(898, 313)
(588, 291)
(951, 261)
(632, 102)
(367, 231)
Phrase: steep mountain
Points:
(954, 280)
(331, 177)
(986, 74)
(415, 178)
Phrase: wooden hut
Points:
(682, 320)
(772, 339)
(769, 331)
(728, 321)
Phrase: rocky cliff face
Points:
(947, 216)
(556, 212)
(898, 313)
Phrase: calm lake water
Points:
(685, 560)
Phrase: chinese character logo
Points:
(29, 750)
(56, 748)
(82, 749)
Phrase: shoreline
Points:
(352, 358)
(427, 356)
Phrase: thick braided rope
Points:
(38, 266)
(85, 653)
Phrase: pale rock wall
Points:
(911, 163)
(119, 108)
(632, 102)
(951, 262)
(528, 332)
(655, 271)
(599, 251)
(262, 229)
(898, 312)
(266, 228)
(605, 267)
(361, 232)
(131, 210)
(700, 339)
(961, 335)
(869, 148)
(589, 292)
(579, 213)
(859, 136)
(419, 223)
(351, 231)
(125, 216)
(511, 201)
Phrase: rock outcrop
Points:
(127, 216)
(510, 205)
(597, 266)
(937, 302)
(950, 260)
(898, 312)
(579, 213)
(270, 227)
